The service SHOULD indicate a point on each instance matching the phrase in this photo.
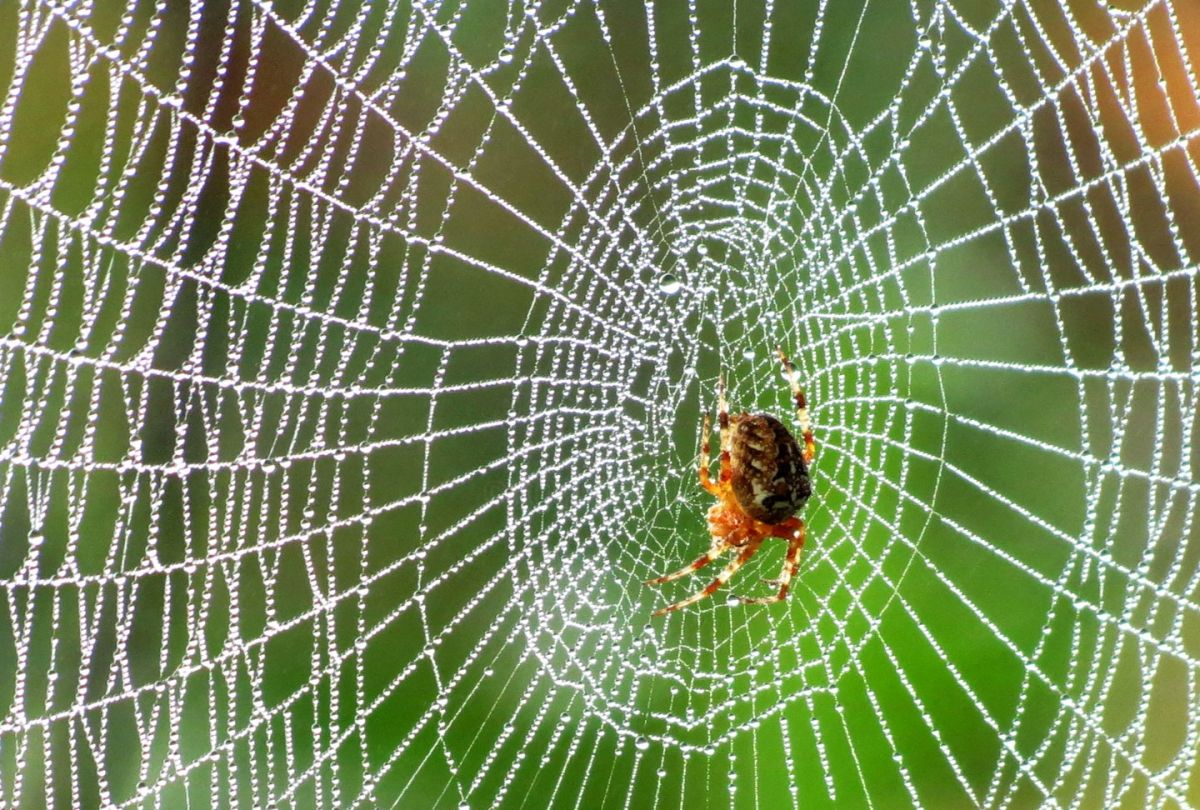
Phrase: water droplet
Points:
(702, 250)
(668, 284)
(641, 743)
(926, 43)
(506, 54)
(749, 354)
(36, 539)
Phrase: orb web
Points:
(352, 364)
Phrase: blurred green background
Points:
(353, 357)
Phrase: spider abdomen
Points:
(770, 479)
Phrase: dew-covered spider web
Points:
(352, 362)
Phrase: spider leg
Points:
(723, 424)
(695, 565)
(746, 553)
(794, 531)
(810, 446)
(705, 477)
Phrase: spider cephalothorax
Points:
(764, 481)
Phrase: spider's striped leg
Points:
(794, 531)
(723, 424)
(704, 559)
(746, 553)
(810, 446)
(705, 477)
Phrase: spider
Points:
(764, 481)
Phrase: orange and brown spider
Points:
(764, 482)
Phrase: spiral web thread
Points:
(353, 357)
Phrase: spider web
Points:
(353, 357)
